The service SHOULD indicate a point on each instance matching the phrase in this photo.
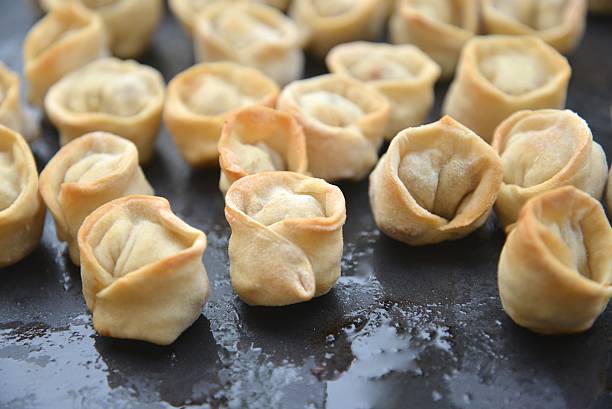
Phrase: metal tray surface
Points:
(405, 327)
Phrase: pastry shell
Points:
(12, 114)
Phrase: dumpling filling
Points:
(513, 72)
(378, 66)
(259, 158)
(330, 108)
(283, 204)
(214, 96)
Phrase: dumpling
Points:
(402, 73)
(21, 211)
(554, 272)
(344, 121)
(64, 40)
(561, 23)
(328, 23)
(142, 270)
(250, 34)
(121, 97)
(286, 241)
(12, 114)
(200, 99)
(259, 139)
(129, 23)
(436, 182)
(543, 150)
(500, 75)
(86, 173)
(438, 27)
(609, 192)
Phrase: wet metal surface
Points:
(405, 327)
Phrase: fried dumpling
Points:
(402, 73)
(286, 241)
(142, 270)
(121, 97)
(438, 27)
(344, 121)
(560, 23)
(200, 99)
(22, 212)
(250, 34)
(12, 114)
(500, 75)
(64, 40)
(554, 272)
(328, 23)
(543, 150)
(436, 182)
(86, 173)
(259, 139)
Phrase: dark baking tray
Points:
(405, 327)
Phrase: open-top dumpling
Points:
(560, 23)
(503, 75)
(250, 34)
(12, 114)
(259, 139)
(402, 73)
(200, 99)
(142, 270)
(286, 241)
(121, 97)
(543, 150)
(438, 27)
(328, 23)
(436, 182)
(64, 40)
(86, 173)
(22, 212)
(344, 121)
(554, 272)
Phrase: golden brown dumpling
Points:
(142, 270)
(328, 23)
(86, 173)
(438, 27)
(555, 272)
(12, 114)
(499, 75)
(560, 23)
(543, 150)
(286, 242)
(343, 120)
(250, 34)
(259, 139)
(200, 99)
(22, 212)
(436, 182)
(402, 73)
(64, 40)
(121, 97)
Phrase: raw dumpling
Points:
(252, 35)
(129, 23)
(328, 23)
(259, 139)
(438, 27)
(286, 241)
(343, 120)
(12, 114)
(21, 211)
(500, 75)
(142, 270)
(436, 182)
(121, 97)
(64, 40)
(560, 23)
(554, 272)
(402, 73)
(543, 150)
(86, 173)
(200, 99)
